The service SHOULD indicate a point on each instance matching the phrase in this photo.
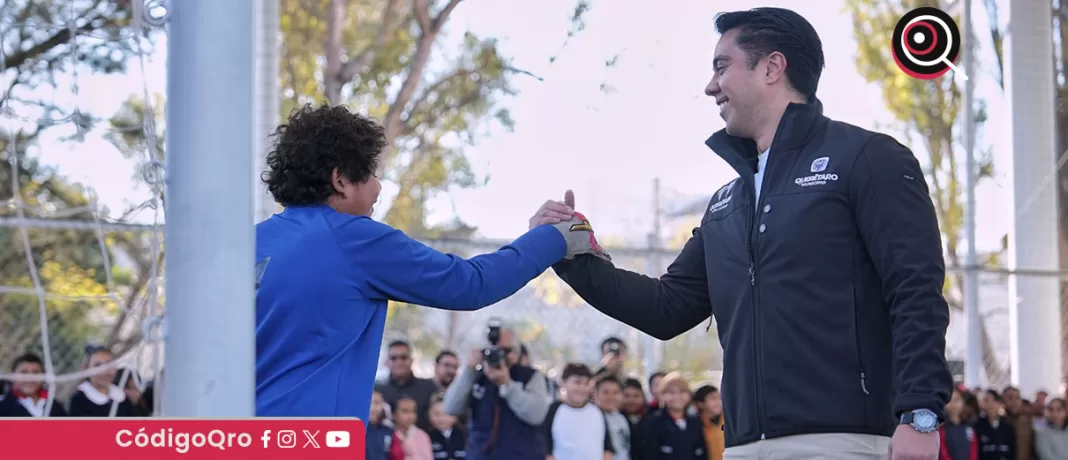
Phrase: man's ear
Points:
(338, 181)
(775, 67)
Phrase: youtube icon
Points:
(337, 439)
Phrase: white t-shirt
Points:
(758, 179)
(619, 430)
(577, 433)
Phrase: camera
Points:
(493, 355)
(613, 348)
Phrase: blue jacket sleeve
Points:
(400, 268)
(899, 227)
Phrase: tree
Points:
(927, 110)
(386, 57)
(70, 264)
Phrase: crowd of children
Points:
(599, 417)
(991, 425)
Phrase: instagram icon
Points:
(287, 439)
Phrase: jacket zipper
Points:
(860, 356)
(753, 216)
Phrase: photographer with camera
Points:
(613, 358)
(506, 401)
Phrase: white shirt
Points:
(758, 179)
(578, 433)
(619, 430)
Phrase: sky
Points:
(607, 147)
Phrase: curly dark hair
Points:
(311, 144)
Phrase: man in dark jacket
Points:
(822, 264)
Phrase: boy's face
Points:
(377, 407)
(577, 390)
(675, 398)
(609, 397)
(713, 404)
(25, 387)
(633, 400)
(439, 418)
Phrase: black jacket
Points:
(665, 439)
(827, 288)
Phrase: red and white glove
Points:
(580, 238)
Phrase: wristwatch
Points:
(921, 420)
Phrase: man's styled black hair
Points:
(766, 30)
(575, 370)
(442, 354)
(27, 358)
(311, 144)
(704, 392)
(633, 383)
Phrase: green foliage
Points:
(928, 111)
(386, 58)
(70, 264)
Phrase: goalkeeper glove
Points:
(580, 238)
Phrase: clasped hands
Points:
(572, 225)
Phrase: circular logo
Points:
(926, 43)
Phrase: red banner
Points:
(162, 438)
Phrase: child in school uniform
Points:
(97, 396)
(28, 398)
(448, 441)
(670, 433)
(575, 428)
(382, 442)
(415, 441)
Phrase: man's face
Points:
(445, 369)
(713, 404)
(737, 88)
(609, 396)
(508, 345)
(633, 400)
(399, 361)
(24, 387)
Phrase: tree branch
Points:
(443, 16)
(422, 15)
(356, 64)
(392, 122)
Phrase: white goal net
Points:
(81, 239)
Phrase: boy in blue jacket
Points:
(326, 271)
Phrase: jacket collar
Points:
(794, 131)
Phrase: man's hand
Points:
(909, 444)
(577, 231)
(498, 375)
(613, 362)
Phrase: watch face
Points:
(924, 419)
